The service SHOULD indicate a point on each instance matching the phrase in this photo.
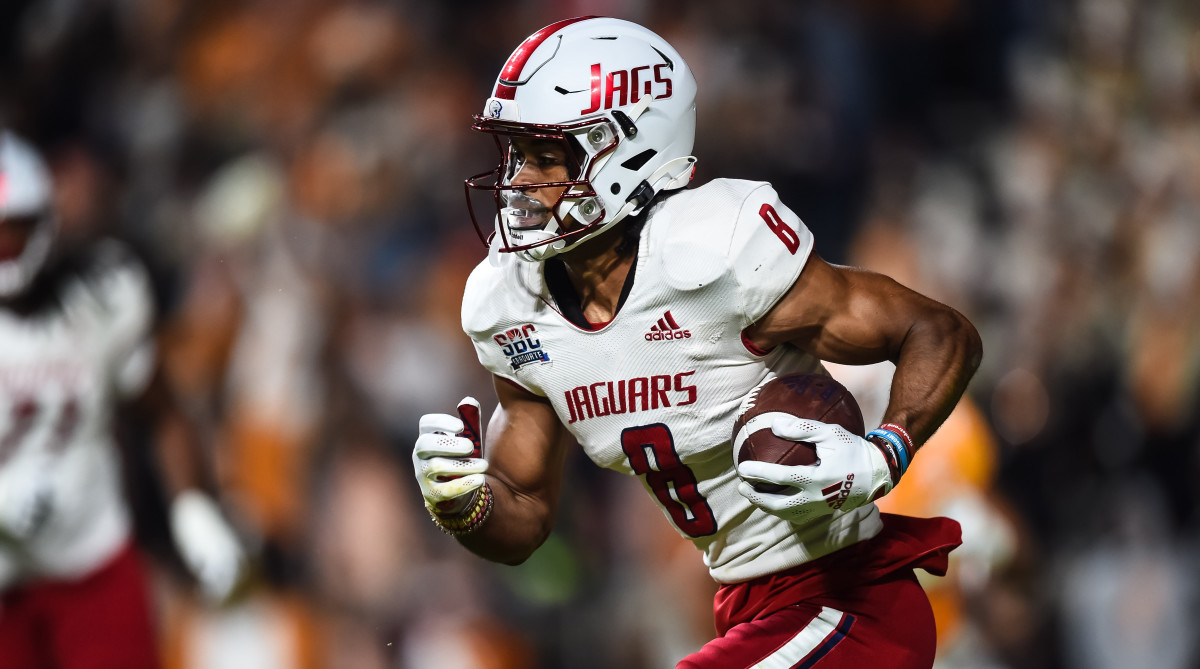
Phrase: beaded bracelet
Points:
(468, 521)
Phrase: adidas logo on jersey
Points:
(667, 328)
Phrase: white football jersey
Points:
(61, 370)
(654, 392)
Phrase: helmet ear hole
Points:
(616, 189)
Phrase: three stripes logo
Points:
(835, 495)
(666, 328)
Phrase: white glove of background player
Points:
(447, 458)
(208, 545)
(26, 503)
(850, 472)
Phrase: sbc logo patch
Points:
(521, 346)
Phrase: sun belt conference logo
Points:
(520, 346)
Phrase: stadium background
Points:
(291, 171)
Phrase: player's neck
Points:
(598, 272)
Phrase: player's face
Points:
(533, 161)
(539, 161)
(14, 235)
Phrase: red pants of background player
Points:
(858, 607)
(101, 621)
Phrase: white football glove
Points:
(448, 458)
(850, 472)
(208, 545)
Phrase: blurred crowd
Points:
(291, 172)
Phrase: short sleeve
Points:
(769, 247)
(502, 344)
(491, 358)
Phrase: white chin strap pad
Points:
(540, 253)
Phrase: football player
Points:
(632, 315)
(75, 342)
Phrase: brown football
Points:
(812, 396)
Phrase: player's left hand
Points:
(850, 472)
(208, 545)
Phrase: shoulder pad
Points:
(693, 232)
(499, 289)
(736, 230)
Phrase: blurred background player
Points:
(76, 345)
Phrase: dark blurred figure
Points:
(76, 341)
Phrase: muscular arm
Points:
(526, 449)
(856, 317)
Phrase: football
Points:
(812, 396)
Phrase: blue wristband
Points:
(898, 446)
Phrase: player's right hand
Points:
(448, 458)
(850, 472)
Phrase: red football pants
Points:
(101, 621)
(857, 607)
(887, 624)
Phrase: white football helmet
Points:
(25, 202)
(621, 100)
